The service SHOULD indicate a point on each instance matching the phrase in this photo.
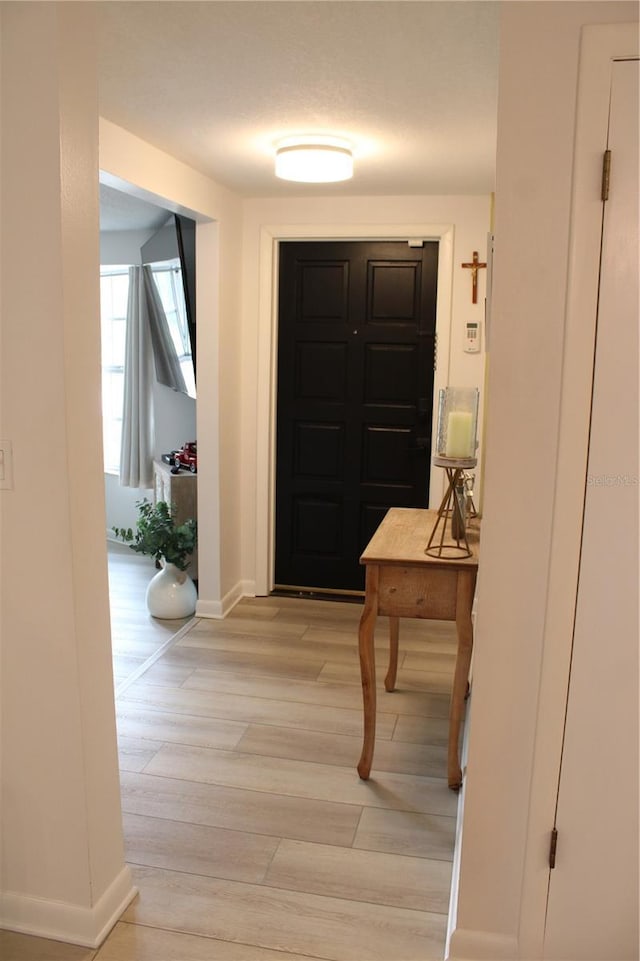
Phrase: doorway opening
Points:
(132, 232)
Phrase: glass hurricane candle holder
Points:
(457, 422)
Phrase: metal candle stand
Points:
(452, 511)
(456, 453)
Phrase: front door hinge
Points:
(435, 351)
(552, 848)
(606, 174)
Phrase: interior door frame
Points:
(270, 238)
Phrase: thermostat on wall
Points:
(472, 337)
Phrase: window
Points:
(168, 277)
(114, 294)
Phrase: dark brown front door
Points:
(355, 394)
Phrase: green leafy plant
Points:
(158, 535)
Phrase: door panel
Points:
(593, 892)
(355, 393)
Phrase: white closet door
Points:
(593, 894)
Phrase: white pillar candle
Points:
(459, 440)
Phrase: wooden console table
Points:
(403, 581)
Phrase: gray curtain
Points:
(148, 340)
(136, 450)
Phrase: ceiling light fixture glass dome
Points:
(314, 160)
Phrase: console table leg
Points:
(368, 670)
(394, 635)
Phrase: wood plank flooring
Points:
(249, 834)
(135, 636)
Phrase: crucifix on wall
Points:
(474, 266)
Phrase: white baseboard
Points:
(467, 945)
(464, 944)
(457, 853)
(455, 873)
(220, 609)
(211, 609)
(59, 921)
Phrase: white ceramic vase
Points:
(171, 593)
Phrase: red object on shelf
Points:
(186, 457)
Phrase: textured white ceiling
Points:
(412, 84)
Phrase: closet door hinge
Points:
(552, 848)
(606, 175)
(435, 351)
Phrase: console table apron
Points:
(403, 581)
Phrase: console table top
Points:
(402, 537)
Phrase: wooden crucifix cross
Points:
(475, 266)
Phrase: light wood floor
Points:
(136, 638)
(249, 834)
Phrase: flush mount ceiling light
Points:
(314, 160)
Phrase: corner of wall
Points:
(220, 609)
(71, 923)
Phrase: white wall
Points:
(500, 911)
(465, 219)
(122, 246)
(62, 872)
